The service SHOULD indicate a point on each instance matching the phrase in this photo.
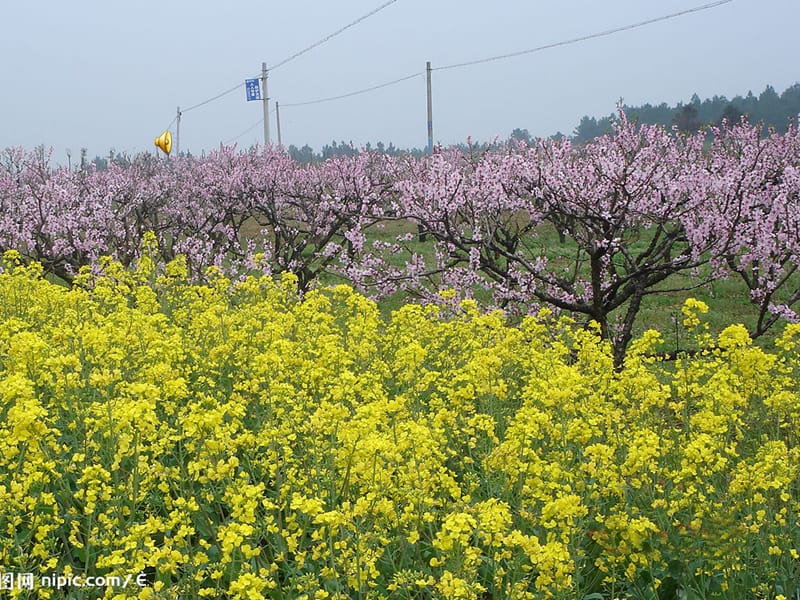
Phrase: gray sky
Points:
(109, 74)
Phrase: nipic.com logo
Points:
(28, 581)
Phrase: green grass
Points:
(728, 298)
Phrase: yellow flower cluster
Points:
(234, 440)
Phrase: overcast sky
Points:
(108, 74)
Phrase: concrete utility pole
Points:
(423, 235)
(430, 109)
(265, 100)
(178, 134)
(278, 119)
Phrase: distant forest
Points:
(769, 108)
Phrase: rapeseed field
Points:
(234, 440)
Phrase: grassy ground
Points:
(728, 299)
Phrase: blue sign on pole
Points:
(253, 89)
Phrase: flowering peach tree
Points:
(591, 229)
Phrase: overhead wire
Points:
(583, 38)
(356, 93)
(248, 130)
(217, 97)
(175, 118)
(332, 35)
(575, 40)
(295, 55)
(245, 132)
(566, 42)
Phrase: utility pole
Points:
(423, 234)
(178, 134)
(278, 119)
(430, 108)
(265, 100)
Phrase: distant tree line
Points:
(769, 108)
(306, 154)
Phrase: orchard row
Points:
(591, 229)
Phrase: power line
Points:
(248, 130)
(296, 54)
(332, 35)
(320, 100)
(175, 118)
(519, 53)
(585, 37)
(217, 97)
(349, 94)
(604, 33)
